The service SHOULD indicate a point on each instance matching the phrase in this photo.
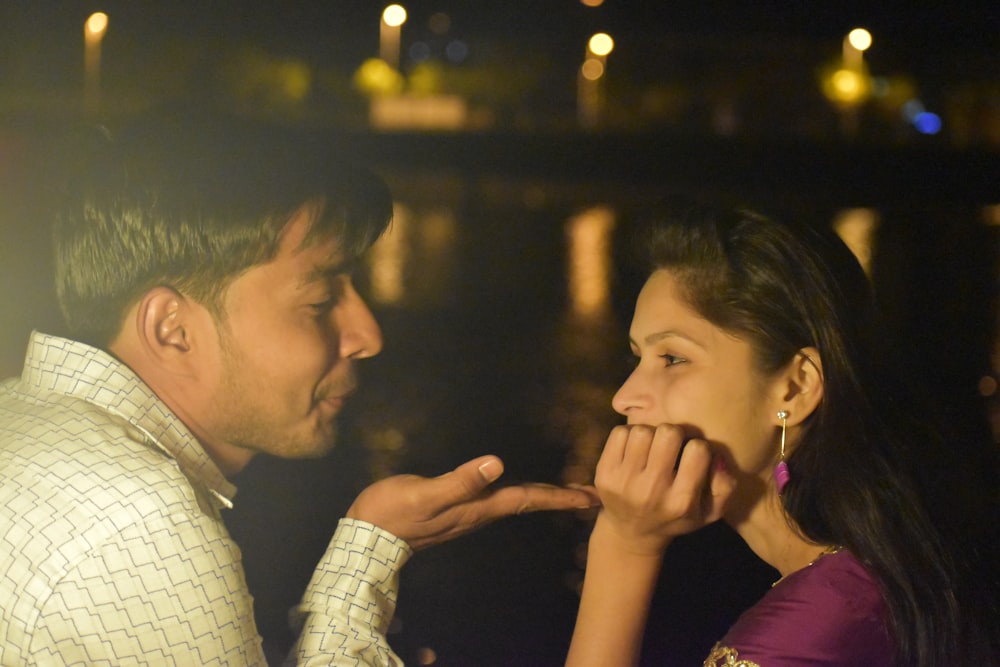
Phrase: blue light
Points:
(456, 51)
(927, 123)
(420, 51)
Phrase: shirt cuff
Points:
(358, 575)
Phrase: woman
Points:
(762, 396)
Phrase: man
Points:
(205, 279)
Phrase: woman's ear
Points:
(801, 385)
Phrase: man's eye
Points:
(322, 306)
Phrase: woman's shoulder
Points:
(829, 613)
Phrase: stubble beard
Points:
(250, 421)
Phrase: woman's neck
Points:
(772, 535)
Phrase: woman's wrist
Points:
(625, 542)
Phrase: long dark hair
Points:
(872, 472)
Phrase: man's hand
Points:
(425, 511)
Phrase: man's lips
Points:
(335, 401)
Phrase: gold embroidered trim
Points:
(723, 656)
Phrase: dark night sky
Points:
(917, 33)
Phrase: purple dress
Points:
(829, 613)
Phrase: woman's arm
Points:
(647, 501)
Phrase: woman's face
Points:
(695, 375)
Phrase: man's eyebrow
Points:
(326, 271)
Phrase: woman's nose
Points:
(628, 399)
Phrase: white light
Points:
(860, 39)
(394, 15)
(601, 44)
(97, 24)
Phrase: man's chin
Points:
(315, 446)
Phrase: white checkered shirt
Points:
(112, 549)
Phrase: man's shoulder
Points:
(72, 432)
(80, 460)
(73, 478)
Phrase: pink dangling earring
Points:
(781, 474)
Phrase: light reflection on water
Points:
(413, 266)
(503, 335)
(517, 352)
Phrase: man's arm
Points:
(352, 596)
(349, 602)
(168, 590)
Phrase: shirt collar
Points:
(75, 369)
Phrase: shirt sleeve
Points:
(349, 603)
(169, 591)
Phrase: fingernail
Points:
(491, 470)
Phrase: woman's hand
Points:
(649, 497)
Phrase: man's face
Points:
(291, 333)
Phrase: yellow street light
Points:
(860, 39)
(601, 44)
(390, 28)
(855, 44)
(93, 33)
(590, 101)
(847, 87)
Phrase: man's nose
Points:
(360, 334)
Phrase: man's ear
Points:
(164, 319)
(801, 385)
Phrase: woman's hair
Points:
(192, 204)
(871, 471)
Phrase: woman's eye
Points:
(671, 360)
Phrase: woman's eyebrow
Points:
(657, 336)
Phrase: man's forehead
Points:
(332, 266)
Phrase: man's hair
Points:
(192, 205)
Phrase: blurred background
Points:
(521, 140)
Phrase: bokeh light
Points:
(860, 39)
(97, 23)
(601, 44)
(439, 23)
(394, 15)
(456, 51)
(592, 69)
(589, 240)
(847, 86)
(377, 77)
(927, 123)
